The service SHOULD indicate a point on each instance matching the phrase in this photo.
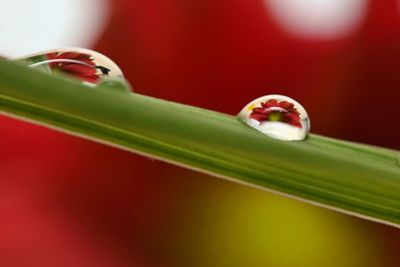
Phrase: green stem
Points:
(354, 178)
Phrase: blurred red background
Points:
(70, 202)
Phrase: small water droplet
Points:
(85, 65)
(120, 85)
(277, 116)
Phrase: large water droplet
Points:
(85, 65)
(277, 116)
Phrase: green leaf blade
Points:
(358, 179)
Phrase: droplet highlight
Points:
(277, 116)
(87, 66)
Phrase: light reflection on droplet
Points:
(277, 116)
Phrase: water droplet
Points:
(120, 85)
(277, 116)
(85, 65)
